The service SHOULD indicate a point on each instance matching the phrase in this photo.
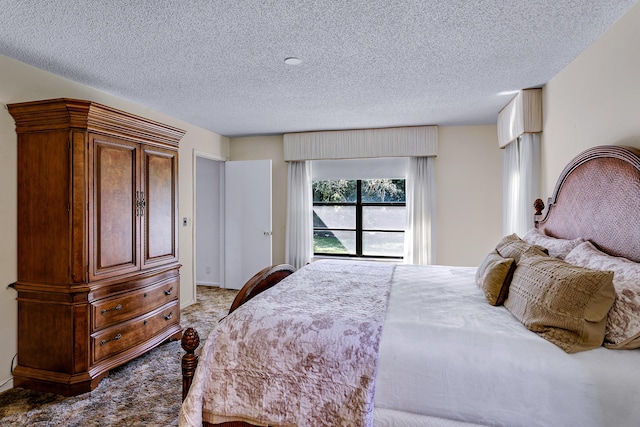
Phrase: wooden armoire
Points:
(98, 272)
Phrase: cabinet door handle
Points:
(169, 292)
(116, 308)
(169, 316)
(116, 338)
(143, 204)
(140, 203)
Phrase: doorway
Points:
(209, 222)
(232, 220)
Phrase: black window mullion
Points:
(359, 217)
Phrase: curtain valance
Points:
(523, 114)
(418, 141)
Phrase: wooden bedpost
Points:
(538, 205)
(190, 341)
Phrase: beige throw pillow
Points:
(494, 276)
(513, 246)
(562, 303)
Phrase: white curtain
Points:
(299, 238)
(419, 240)
(521, 183)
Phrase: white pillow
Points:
(558, 248)
(623, 323)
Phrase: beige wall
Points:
(469, 194)
(595, 100)
(468, 180)
(20, 82)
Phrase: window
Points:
(359, 218)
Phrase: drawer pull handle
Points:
(116, 338)
(169, 316)
(169, 292)
(116, 308)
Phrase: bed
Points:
(544, 332)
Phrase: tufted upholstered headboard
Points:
(597, 197)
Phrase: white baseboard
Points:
(8, 385)
(213, 284)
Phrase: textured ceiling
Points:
(366, 63)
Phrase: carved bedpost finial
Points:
(190, 341)
(538, 205)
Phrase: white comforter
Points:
(445, 352)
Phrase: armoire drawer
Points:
(118, 338)
(110, 311)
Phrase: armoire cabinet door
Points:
(114, 208)
(160, 202)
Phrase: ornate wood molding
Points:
(65, 113)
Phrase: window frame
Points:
(358, 230)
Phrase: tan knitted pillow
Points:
(562, 303)
(494, 276)
(513, 246)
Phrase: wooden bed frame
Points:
(597, 197)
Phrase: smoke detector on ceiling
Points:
(292, 60)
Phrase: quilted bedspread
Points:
(302, 353)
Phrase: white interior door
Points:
(247, 220)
